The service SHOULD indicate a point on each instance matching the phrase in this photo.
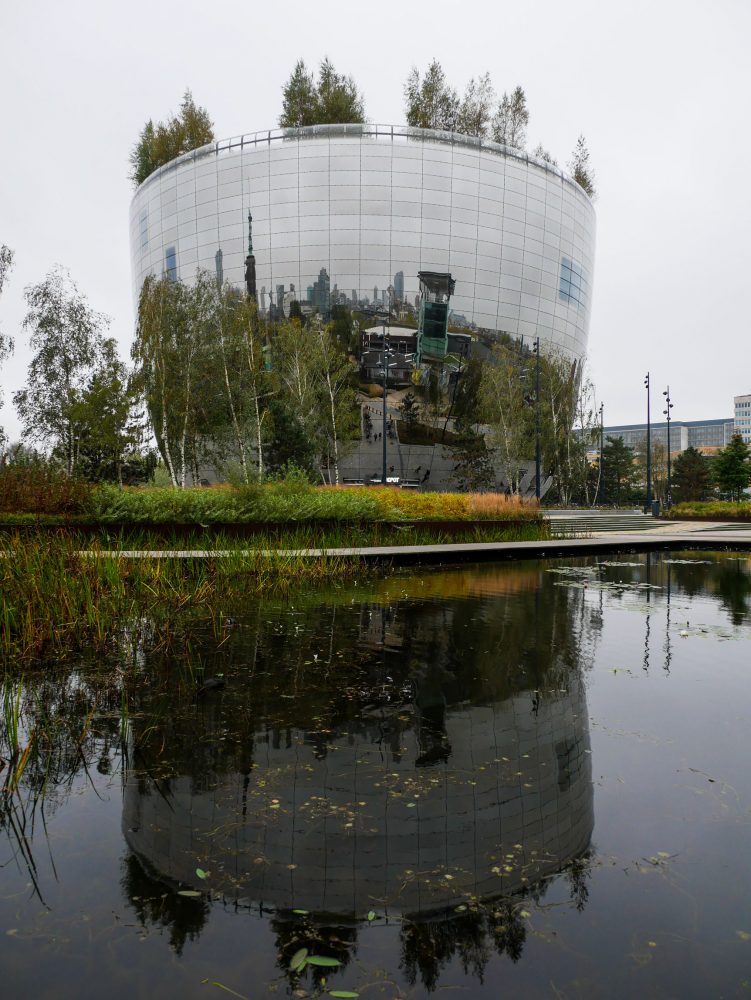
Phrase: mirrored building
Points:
(350, 214)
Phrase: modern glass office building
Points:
(351, 213)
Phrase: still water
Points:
(528, 779)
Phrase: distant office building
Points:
(399, 286)
(704, 435)
(742, 422)
(219, 268)
(322, 292)
(375, 294)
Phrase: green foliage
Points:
(511, 120)
(732, 470)
(333, 100)
(69, 348)
(157, 144)
(713, 510)
(618, 472)
(290, 443)
(580, 168)
(430, 101)
(41, 488)
(691, 476)
(473, 470)
(409, 411)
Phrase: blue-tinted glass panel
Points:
(572, 283)
(170, 263)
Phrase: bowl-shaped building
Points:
(351, 214)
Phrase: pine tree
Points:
(333, 100)
(732, 470)
(691, 476)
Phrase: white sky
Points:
(660, 88)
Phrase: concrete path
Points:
(670, 535)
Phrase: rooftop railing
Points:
(392, 133)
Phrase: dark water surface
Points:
(526, 779)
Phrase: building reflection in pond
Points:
(460, 770)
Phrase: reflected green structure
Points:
(433, 321)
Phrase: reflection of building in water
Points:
(380, 814)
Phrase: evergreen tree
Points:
(473, 471)
(409, 411)
(6, 343)
(580, 168)
(618, 471)
(691, 476)
(732, 470)
(542, 154)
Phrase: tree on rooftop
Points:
(430, 101)
(580, 167)
(511, 120)
(476, 108)
(333, 100)
(542, 154)
(157, 144)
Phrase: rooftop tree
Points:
(333, 100)
(430, 101)
(6, 343)
(580, 168)
(157, 144)
(511, 120)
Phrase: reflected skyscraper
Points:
(250, 264)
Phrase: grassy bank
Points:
(711, 510)
(45, 497)
(55, 599)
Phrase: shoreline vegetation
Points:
(710, 510)
(55, 600)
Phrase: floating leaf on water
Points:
(461, 908)
(744, 935)
(652, 944)
(301, 912)
(298, 960)
(371, 915)
(201, 873)
(344, 994)
(323, 962)
(189, 892)
(525, 914)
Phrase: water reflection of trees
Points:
(410, 683)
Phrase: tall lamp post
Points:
(602, 442)
(666, 411)
(538, 462)
(649, 449)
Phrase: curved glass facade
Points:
(351, 214)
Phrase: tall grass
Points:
(56, 598)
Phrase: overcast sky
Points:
(660, 88)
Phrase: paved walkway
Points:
(668, 535)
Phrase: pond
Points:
(521, 779)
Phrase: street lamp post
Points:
(669, 407)
(649, 450)
(538, 462)
(602, 442)
(385, 357)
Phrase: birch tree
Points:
(66, 336)
(511, 120)
(502, 397)
(166, 353)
